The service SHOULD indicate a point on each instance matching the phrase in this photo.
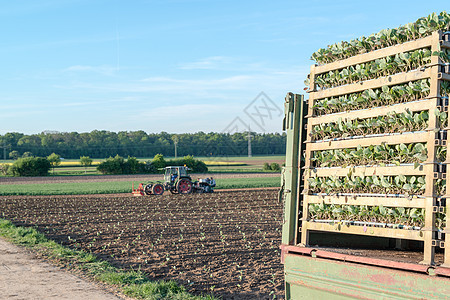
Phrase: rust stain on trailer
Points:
(383, 279)
(350, 274)
(443, 271)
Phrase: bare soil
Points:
(405, 256)
(224, 243)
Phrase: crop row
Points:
(385, 38)
(375, 155)
(375, 184)
(444, 54)
(378, 214)
(414, 90)
(391, 123)
(400, 62)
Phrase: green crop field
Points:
(77, 188)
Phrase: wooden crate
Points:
(434, 136)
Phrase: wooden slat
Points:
(372, 84)
(369, 171)
(420, 105)
(380, 53)
(369, 231)
(312, 77)
(447, 224)
(417, 137)
(369, 201)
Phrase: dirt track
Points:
(23, 276)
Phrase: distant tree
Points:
(85, 161)
(266, 167)
(27, 154)
(158, 161)
(54, 160)
(14, 154)
(148, 167)
(195, 165)
(118, 165)
(100, 144)
(112, 165)
(4, 169)
(275, 166)
(30, 166)
(132, 165)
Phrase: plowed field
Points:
(223, 243)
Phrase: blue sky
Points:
(176, 66)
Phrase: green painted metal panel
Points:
(317, 278)
(290, 172)
(293, 123)
(296, 291)
(313, 278)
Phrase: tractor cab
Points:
(173, 174)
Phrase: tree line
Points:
(39, 166)
(102, 144)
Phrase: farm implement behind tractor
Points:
(177, 181)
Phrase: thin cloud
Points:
(49, 103)
(170, 84)
(224, 63)
(208, 63)
(32, 7)
(20, 114)
(202, 88)
(105, 70)
(182, 111)
(203, 117)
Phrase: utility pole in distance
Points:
(175, 142)
(249, 136)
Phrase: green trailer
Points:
(347, 264)
(365, 187)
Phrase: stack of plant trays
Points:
(376, 148)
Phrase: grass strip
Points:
(119, 187)
(251, 182)
(132, 283)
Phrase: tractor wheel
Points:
(148, 189)
(158, 189)
(184, 186)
